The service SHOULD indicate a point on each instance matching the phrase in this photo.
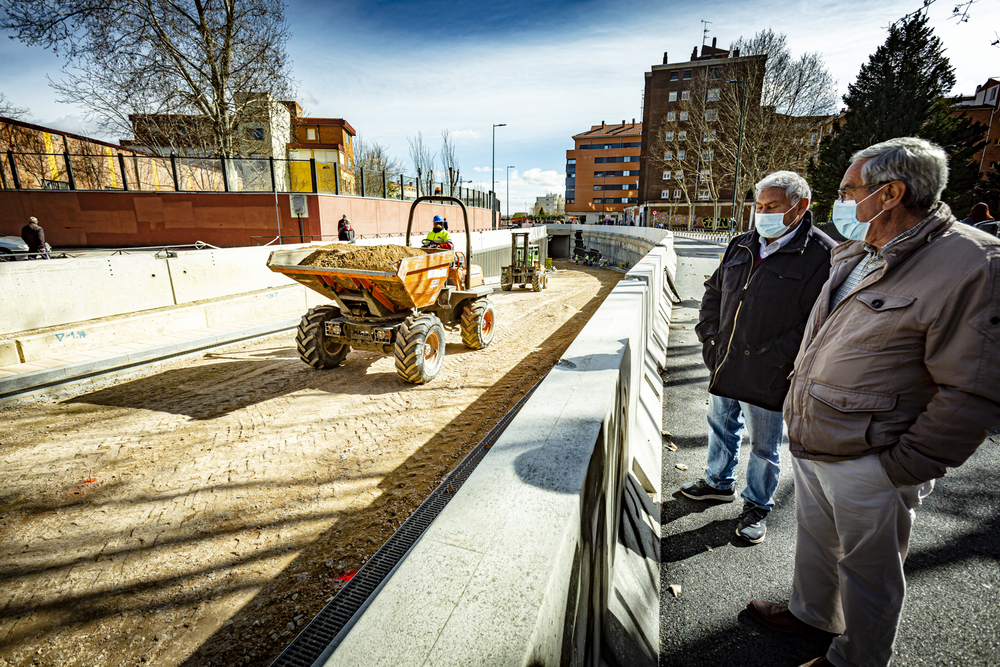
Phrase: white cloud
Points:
(549, 178)
(464, 136)
(304, 97)
(76, 125)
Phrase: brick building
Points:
(984, 107)
(680, 181)
(602, 172)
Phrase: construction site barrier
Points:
(548, 554)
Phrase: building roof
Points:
(622, 129)
(326, 121)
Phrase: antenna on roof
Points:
(704, 33)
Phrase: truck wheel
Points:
(478, 322)
(419, 348)
(536, 283)
(505, 281)
(315, 348)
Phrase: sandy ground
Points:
(203, 515)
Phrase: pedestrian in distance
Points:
(345, 232)
(34, 237)
(980, 217)
(752, 317)
(895, 382)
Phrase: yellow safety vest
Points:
(440, 237)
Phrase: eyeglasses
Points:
(842, 192)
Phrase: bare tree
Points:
(423, 161)
(374, 160)
(132, 62)
(8, 110)
(449, 162)
(781, 103)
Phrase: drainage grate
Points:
(323, 635)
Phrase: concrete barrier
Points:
(548, 553)
(59, 303)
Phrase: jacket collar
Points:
(938, 221)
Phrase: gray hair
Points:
(33, 219)
(795, 186)
(919, 164)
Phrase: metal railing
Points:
(173, 173)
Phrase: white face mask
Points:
(772, 225)
(845, 218)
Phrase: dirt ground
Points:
(203, 515)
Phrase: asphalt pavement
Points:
(952, 612)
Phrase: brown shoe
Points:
(777, 617)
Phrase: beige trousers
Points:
(853, 534)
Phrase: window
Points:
(571, 161)
(708, 136)
(687, 74)
(685, 95)
(812, 139)
(705, 175)
(708, 155)
(671, 116)
(684, 115)
(672, 96)
(310, 134)
(679, 175)
(993, 94)
(682, 135)
(668, 136)
(711, 114)
(666, 175)
(713, 95)
(681, 154)
(668, 155)
(677, 194)
(255, 133)
(673, 75)
(702, 195)
(716, 73)
(664, 194)
(570, 200)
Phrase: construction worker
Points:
(439, 236)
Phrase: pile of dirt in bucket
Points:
(367, 258)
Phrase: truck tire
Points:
(419, 348)
(536, 283)
(315, 349)
(505, 281)
(478, 321)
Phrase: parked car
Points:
(9, 245)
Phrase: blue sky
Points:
(548, 69)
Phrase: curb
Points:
(49, 377)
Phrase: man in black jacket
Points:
(34, 237)
(752, 319)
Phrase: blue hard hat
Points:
(438, 218)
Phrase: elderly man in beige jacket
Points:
(895, 381)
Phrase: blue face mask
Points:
(772, 225)
(845, 218)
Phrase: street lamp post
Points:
(739, 150)
(508, 191)
(493, 168)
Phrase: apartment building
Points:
(550, 204)
(984, 107)
(602, 172)
(686, 107)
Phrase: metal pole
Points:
(493, 177)
(385, 186)
(361, 170)
(173, 170)
(274, 187)
(312, 173)
(13, 170)
(121, 166)
(336, 178)
(69, 172)
(225, 178)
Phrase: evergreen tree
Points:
(900, 92)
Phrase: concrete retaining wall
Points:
(548, 553)
(65, 296)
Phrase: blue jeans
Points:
(727, 420)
